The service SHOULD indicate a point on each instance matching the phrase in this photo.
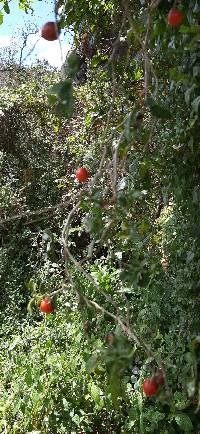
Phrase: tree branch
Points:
(45, 210)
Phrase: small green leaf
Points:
(195, 104)
(1, 18)
(72, 65)
(95, 393)
(189, 92)
(31, 285)
(6, 8)
(158, 110)
(184, 422)
(31, 305)
(61, 94)
(189, 29)
(92, 363)
(196, 70)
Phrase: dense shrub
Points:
(118, 254)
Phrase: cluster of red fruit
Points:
(151, 385)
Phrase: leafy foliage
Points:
(121, 253)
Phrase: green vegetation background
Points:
(136, 231)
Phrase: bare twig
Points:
(31, 50)
(126, 328)
(65, 231)
(154, 4)
(144, 46)
(130, 333)
(145, 51)
(59, 291)
(117, 40)
(114, 172)
(64, 238)
(57, 23)
(114, 85)
(45, 210)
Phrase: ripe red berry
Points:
(50, 31)
(150, 387)
(175, 17)
(46, 306)
(82, 174)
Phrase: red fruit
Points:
(50, 31)
(82, 174)
(159, 379)
(46, 306)
(150, 387)
(175, 17)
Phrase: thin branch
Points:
(65, 232)
(114, 87)
(130, 333)
(58, 291)
(64, 238)
(114, 171)
(117, 40)
(34, 213)
(154, 4)
(144, 46)
(146, 57)
(30, 52)
(126, 328)
(57, 23)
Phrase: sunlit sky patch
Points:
(17, 22)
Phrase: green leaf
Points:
(196, 71)
(158, 110)
(1, 18)
(95, 393)
(184, 422)
(31, 285)
(189, 92)
(6, 8)
(181, 401)
(61, 94)
(92, 363)
(195, 104)
(189, 29)
(72, 65)
(115, 387)
(30, 306)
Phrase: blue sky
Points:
(18, 21)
